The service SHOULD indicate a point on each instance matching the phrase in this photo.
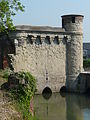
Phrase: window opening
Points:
(62, 23)
(38, 40)
(47, 40)
(29, 40)
(73, 19)
(56, 40)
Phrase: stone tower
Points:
(74, 52)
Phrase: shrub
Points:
(5, 73)
(86, 62)
(24, 93)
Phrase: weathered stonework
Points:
(53, 55)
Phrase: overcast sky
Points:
(49, 12)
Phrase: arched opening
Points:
(63, 89)
(47, 93)
(47, 90)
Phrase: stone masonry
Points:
(53, 55)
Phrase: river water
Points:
(62, 107)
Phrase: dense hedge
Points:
(86, 62)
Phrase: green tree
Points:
(8, 8)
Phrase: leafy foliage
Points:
(8, 8)
(24, 93)
(5, 73)
(86, 63)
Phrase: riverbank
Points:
(7, 109)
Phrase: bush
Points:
(86, 62)
(24, 93)
(5, 73)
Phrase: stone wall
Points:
(44, 55)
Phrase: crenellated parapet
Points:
(40, 39)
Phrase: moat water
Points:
(62, 107)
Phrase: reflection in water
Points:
(73, 110)
(69, 107)
(46, 95)
(51, 109)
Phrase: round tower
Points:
(74, 52)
